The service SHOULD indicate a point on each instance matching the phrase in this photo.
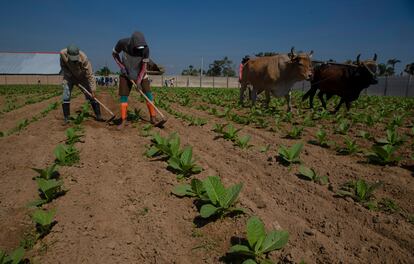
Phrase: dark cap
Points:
(73, 53)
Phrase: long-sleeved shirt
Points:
(79, 71)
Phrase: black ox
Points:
(344, 80)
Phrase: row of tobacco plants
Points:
(214, 200)
(50, 187)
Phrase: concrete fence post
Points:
(227, 81)
(188, 81)
(408, 85)
(201, 80)
(386, 85)
(213, 82)
(162, 80)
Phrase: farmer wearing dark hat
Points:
(133, 65)
(77, 70)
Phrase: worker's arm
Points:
(145, 61)
(66, 72)
(115, 54)
(87, 68)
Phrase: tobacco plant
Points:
(243, 142)
(48, 173)
(350, 148)
(343, 127)
(310, 174)
(164, 146)
(221, 200)
(295, 132)
(260, 243)
(66, 155)
(290, 155)
(383, 155)
(44, 221)
(392, 138)
(360, 191)
(183, 164)
(15, 257)
(72, 137)
(194, 189)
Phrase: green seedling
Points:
(195, 189)
(66, 155)
(146, 130)
(48, 173)
(383, 155)
(15, 257)
(264, 149)
(231, 133)
(72, 137)
(220, 199)
(392, 138)
(134, 116)
(290, 155)
(196, 121)
(343, 127)
(44, 221)
(360, 191)
(260, 242)
(166, 147)
(219, 128)
(295, 132)
(365, 135)
(397, 121)
(389, 206)
(48, 190)
(310, 174)
(351, 147)
(307, 121)
(321, 136)
(243, 142)
(184, 165)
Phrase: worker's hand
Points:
(124, 71)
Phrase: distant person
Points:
(77, 70)
(133, 65)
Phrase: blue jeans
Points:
(67, 91)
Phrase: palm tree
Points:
(392, 62)
(409, 68)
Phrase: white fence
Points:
(387, 86)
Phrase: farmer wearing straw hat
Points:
(77, 70)
(135, 57)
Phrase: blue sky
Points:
(180, 32)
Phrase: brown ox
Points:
(275, 75)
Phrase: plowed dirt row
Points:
(119, 208)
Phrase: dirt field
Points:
(119, 207)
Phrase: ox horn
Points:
(357, 60)
(292, 53)
(375, 57)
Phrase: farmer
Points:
(135, 56)
(77, 70)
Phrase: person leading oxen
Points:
(275, 75)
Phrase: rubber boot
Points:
(97, 110)
(66, 112)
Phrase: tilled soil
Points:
(118, 208)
